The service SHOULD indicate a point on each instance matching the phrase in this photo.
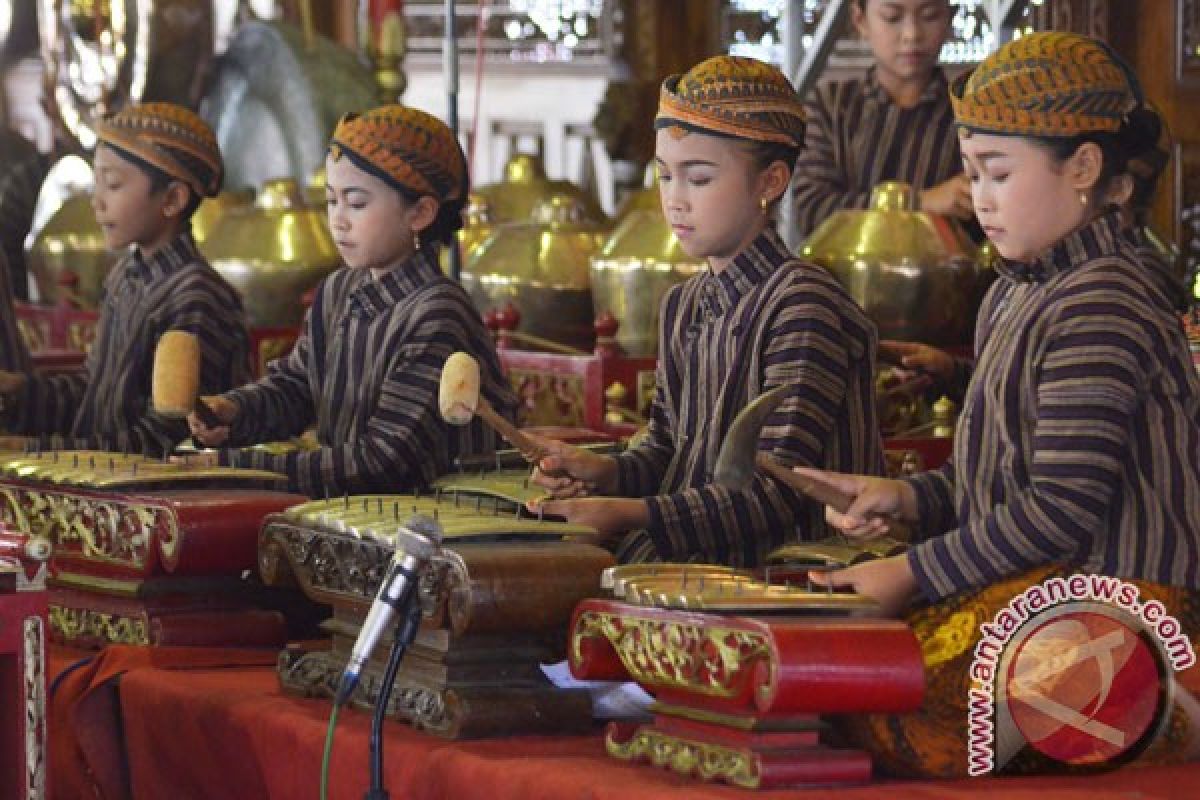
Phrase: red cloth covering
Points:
(232, 733)
(87, 756)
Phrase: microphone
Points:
(416, 542)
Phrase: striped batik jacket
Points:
(725, 338)
(14, 355)
(366, 370)
(109, 406)
(855, 137)
(1079, 439)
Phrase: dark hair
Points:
(449, 219)
(1147, 166)
(160, 180)
(1136, 139)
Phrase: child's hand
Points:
(202, 459)
(951, 197)
(887, 581)
(877, 502)
(608, 515)
(226, 411)
(913, 355)
(568, 471)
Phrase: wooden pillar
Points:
(662, 37)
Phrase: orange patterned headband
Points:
(1047, 84)
(734, 96)
(159, 133)
(412, 149)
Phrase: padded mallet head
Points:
(458, 392)
(175, 382)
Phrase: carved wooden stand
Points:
(737, 698)
(150, 566)
(493, 612)
(23, 773)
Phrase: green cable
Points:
(325, 759)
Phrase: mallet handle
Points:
(207, 415)
(527, 447)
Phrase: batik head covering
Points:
(1047, 84)
(408, 148)
(734, 96)
(169, 138)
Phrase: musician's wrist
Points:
(605, 474)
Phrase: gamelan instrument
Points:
(741, 668)
(496, 600)
(146, 551)
(23, 759)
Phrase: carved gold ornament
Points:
(700, 658)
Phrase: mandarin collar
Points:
(937, 90)
(374, 296)
(169, 258)
(1102, 236)
(723, 290)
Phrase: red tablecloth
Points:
(194, 723)
(230, 733)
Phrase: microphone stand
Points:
(406, 631)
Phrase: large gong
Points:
(275, 99)
(101, 55)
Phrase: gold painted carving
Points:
(332, 568)
(35, 333)
(704, 659)
(316, 674)
(103, 529)
(548, 399)
(706, 761)
(84, 625)
(35, 709)
(80, 336)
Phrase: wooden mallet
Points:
(460, 399)
(175, 381)
(739, 458)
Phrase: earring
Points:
(762, 203)
(416, 241)
(1083, 199)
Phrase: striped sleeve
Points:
(1095, 360)
(53, 403)
(197, 301)
(821, 184)
(280, 404)
(397, 441)
(935, 500)
(806, 348)
(48, 403)
(640, 468)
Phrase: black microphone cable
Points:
(397, 595)
(406, 631)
